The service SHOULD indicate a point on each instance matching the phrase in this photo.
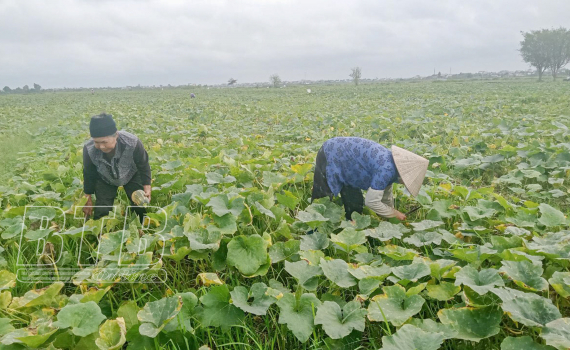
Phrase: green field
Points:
(484, 264)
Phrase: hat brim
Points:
(411, 167)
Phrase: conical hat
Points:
(411, 167)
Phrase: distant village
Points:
(439, 76)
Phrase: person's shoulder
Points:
(128, 138)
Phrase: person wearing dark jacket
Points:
(111, 159)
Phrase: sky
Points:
(98, 43)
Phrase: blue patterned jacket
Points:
(359, 163)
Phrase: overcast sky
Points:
(91, 43)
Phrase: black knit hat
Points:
(102, 125)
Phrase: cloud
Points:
(115, 43)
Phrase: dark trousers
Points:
(352, 197)
(105, 195)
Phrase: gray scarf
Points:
(120, 170)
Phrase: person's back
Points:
(358, 163)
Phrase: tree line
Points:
(24, 89)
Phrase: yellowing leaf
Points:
(210, 278)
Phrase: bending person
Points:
(111, 159)
(348, 165)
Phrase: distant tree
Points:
(7, 89)
(533, 51)
(275, 80)
(18, 89)
(26, 88)
(232, 81)
(546, 48)
(37, 87)
(356, 75)
(558, 49)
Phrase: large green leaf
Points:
(525, 274)
(339, 323)
(442, 207)
(423, 238)
(112, 334)
(411, 272)
(83, 318)
(7, 280)
(297, 314)
(439, 268)
(430, 326)
(412, 338)
(550, 216)
(560, 281)
(215, 178)
(261, 300)
(112, 241)
(311, 218)
(288, 199)
(349, 239)
(397, 253)
(442, 291)
(128, 311)
(284, 250)
(305, 274)
(557, 333)
(156, 314)
(527, 308)
(480, 281)
(394, 306)
(32, 337)
(247, 253)
(183, 320)
(387, 231)
(358, 222)
(5, 326)
(366, 271)
(477, 213)
(336, 270)
(522, 343)
(314, 241)
(38, 297)
(217, 311)
(222, 205)
(472, 324)
(426, 225)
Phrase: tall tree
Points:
(355, 75)
(7, 89)
(26, 88)
(558, 49)
(533, 51)
(232, 81)
(37, 87)
(275, 80)
(546, 48)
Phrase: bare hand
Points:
(147, 190)
(400, 216)
(88, 208)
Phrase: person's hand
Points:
(147, 190)
(88, 208)
(400, 216)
